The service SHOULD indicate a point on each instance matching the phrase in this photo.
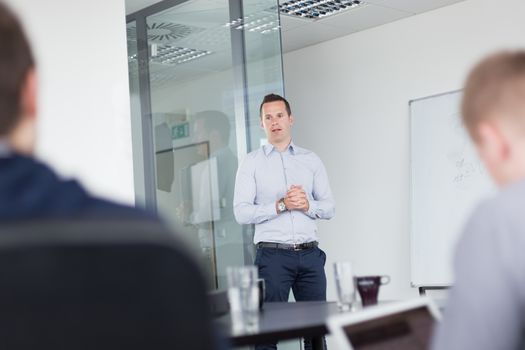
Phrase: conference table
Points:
(282, 321)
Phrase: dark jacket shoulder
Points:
(29, 189)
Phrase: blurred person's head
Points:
(212, 126)
(17, 84)
(493, 111)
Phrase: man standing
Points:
(283, 189)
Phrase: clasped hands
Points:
(296, 199)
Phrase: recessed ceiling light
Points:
(259, 23)
(167, 54)
(315, 9)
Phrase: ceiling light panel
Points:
(316, 9)
(167, 54)
(256, 22)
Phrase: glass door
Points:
(209, 62)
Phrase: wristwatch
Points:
(281, 207)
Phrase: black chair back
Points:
(106, 285)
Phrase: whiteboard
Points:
(447, 181)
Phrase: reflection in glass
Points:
(197, 130)
(191, 81)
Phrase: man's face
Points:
(276, 122)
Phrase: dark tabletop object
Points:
(281, 321)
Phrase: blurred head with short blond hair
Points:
(493, 110)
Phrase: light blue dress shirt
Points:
(486, 306)
(264, 177)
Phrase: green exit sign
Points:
(180, 131)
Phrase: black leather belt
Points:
(299, 246)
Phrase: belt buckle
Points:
(296, 247)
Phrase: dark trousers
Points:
(302, 271)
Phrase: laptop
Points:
(405, 325)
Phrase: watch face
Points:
(282, 206)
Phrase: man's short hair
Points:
(495, 86)
(274, 98)
(16, 60)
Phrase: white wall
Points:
(84, 125)
(350, 100)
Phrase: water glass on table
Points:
(243, 296)
(345, 284)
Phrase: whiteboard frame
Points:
(411, 201)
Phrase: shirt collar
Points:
(268, 148)
(293, 148)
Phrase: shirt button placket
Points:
(286, 167)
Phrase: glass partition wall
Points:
(198, 72)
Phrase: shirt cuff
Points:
(270, 211)
(312, 210)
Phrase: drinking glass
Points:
(345, 284)
(243, 296)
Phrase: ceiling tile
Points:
(413, 6)
(306, 35)
(289, 22)
(364, 17)
(136, 5)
